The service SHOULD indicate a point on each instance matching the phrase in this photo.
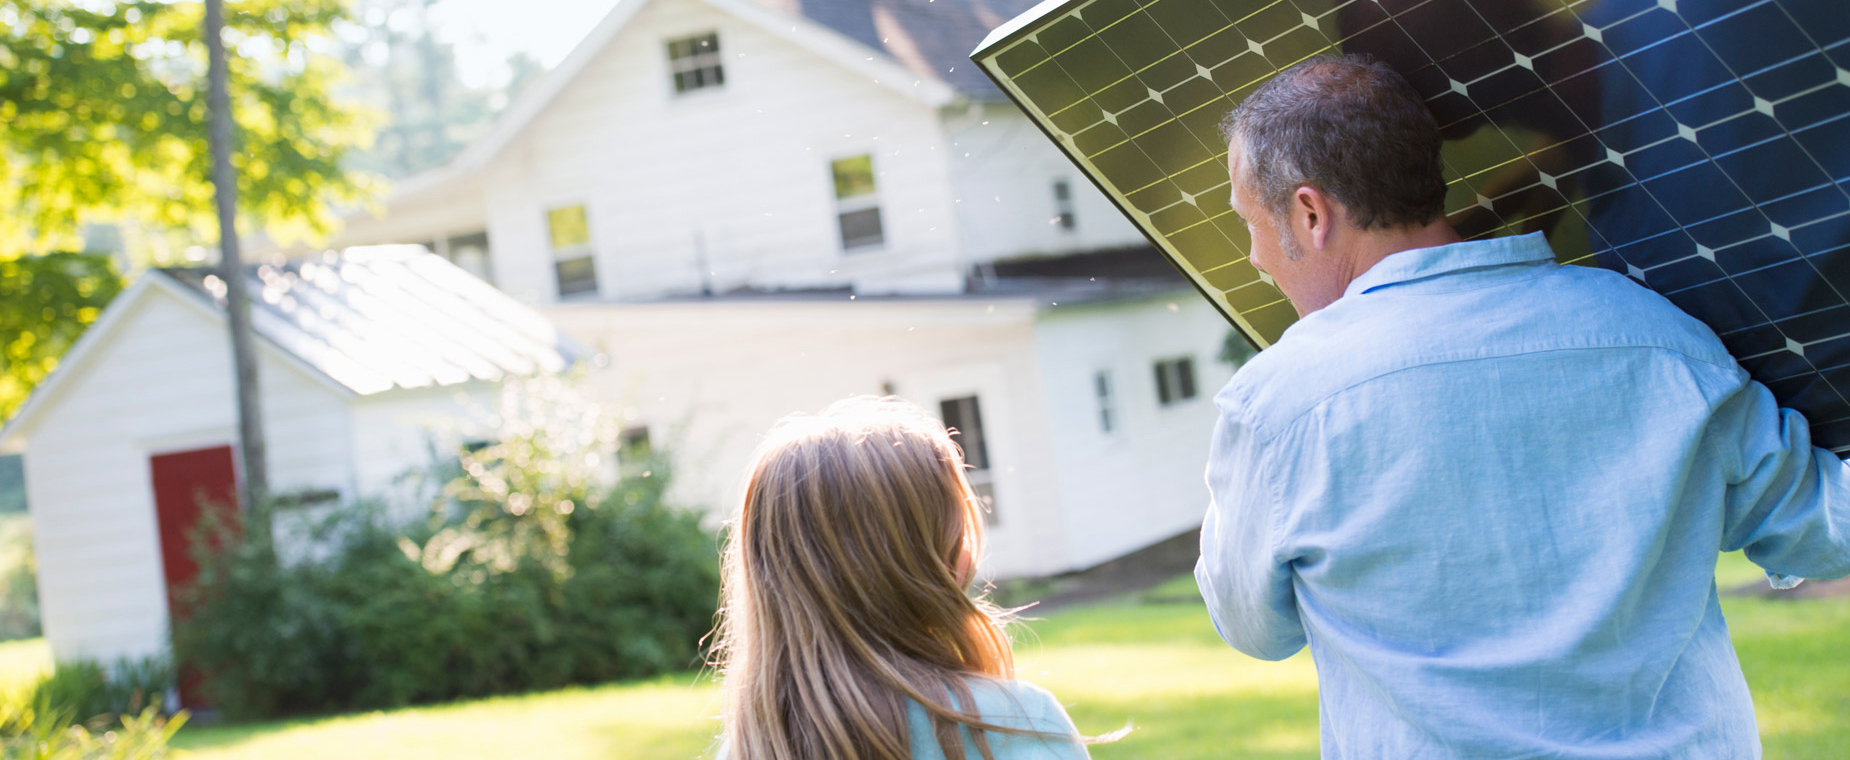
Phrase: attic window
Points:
(694, 61)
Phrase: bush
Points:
(86, 692)
(535, 570)
(27, 733)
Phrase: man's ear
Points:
(1313, 215)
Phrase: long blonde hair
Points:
(842, 596)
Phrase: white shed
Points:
(360, 355)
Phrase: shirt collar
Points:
(1421, 263)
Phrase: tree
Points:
(45, 304)
(103, 117)
(104, 113)
(403, 67)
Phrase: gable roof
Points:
(932, 38)
(393, 316)
(364, 321)
(916, 48)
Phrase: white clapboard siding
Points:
(739, 175)
(453, 209)
(1142, 482)
(401, 430)
(1003, 171)
(161, 382)
(717, 375)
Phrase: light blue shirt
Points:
(1013, 704)
(1488, 491)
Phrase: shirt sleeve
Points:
(1243, 579)
(1788, 503)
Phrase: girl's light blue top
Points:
(1488, 491)
(1016, 704)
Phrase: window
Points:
(634, 441)
(1063, 205)
(965, 419)
(470, 253)
(1107, 411)
(1175, 380)
(694, 61)
(857, 204)
(572, 261)
(635, 455)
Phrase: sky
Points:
(486, 32)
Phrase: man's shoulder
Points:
(1365, 336)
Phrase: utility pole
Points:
(255, 483)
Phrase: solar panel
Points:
(1701, 147)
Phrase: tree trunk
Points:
(254, 484)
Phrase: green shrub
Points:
(28, 733)
(89, 693)
(534, 570)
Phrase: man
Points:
(1487, 490)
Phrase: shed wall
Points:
(162, 382)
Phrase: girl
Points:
(846, 633)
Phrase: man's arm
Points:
(1247, 587)
(1788, 503)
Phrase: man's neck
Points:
(1374, 245)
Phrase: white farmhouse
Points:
(757, 207)
(360, 358)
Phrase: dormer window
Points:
(694, 62)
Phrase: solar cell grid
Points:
(1701, 147)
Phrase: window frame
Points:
(450, 248)
(857, 204)
(1104, 394)
(1064, 217)
(1179, 370)
(971, 435)
(697, 63)
(572, 254)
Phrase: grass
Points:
(22, 664)
(1151, 658)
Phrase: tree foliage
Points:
(46, 302)
(403, 67)
(103, 117)
(103, 120)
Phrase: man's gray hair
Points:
(1350, 127)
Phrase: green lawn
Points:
(1151, 659)
(22, 663)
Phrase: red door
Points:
(186, 483)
